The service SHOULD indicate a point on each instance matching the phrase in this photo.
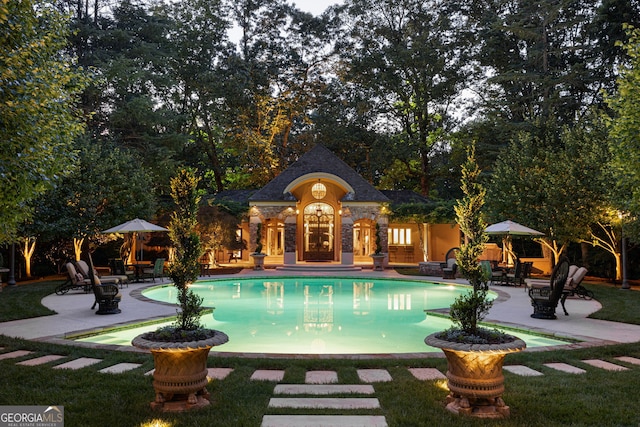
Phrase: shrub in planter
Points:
(474, 354)
(180, 351)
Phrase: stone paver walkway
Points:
(321, 389)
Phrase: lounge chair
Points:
(573, 286)
(83, 268)
(156, 271)
(75, 281)
(544, 299)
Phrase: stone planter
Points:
(474, 375)
(180, 375)
(378, 261)
(258, 261)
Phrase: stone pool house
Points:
(320, 213)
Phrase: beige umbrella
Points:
(135, 226)
(507, 229)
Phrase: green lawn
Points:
(597, 398)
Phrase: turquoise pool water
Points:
(315, 315)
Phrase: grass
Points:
(596, 398)
(23, 301)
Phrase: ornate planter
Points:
(180, 375)
(474, 375)
(378, 261)
(258, 261)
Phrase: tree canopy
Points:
(39, 89)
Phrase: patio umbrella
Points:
(509, 228)
(135, 226)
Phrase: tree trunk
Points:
(29, 246)
(77, 247)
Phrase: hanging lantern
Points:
(318, 191)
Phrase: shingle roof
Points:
(318, 160)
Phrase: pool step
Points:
(318, 267)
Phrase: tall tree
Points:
(469, 217)
(547, 62)
(38, 115)
(414, 58)
(106, 188)
(201, 77)
(559, 191)
(625, 139)
(281, 66)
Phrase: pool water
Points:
(315, 315)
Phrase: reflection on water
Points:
(319, 315)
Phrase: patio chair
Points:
(75, 281)
(83, 268)
(449, 269)
(107, 297)
(521, 271)
(118, 268)
(156, 271)
(544, 299)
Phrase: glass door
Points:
(319, 229)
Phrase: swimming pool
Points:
(318, 315)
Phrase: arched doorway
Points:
(319, 232)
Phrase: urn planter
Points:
(378, 261)
(180, 375)
(258, 261)
(474, 376)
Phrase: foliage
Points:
(38, 118)
(410, 60)
(548, 61)
(185, 267)
(378, 249)
(258, 249)
(624, 143)
(217, 228)
(470, 308)
(106, 188)
(431, 212)
(469, 218)
(558, 190)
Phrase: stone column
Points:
(347, 240)
(290, 240)
(384, 237)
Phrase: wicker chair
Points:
(107, 297)
(544, 299)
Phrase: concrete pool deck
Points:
(512, 309)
